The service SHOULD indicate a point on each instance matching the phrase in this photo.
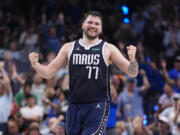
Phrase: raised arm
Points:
(165, 72)
(146, 84)
(130, 67)
(52, 68)
(5, 78)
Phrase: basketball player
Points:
(88, 59)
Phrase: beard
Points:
(91, 37)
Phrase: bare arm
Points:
(16, 76)
(165, 72)
(53, 128)
(177, 113)
(146, 84)
(130, 67)
(52, 68)
(35, 118)
(54, 106)
(5, 78)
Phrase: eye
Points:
(97, 24)
(89, 22)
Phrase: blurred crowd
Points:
(146, 105)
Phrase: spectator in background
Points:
(137, 128)
(2, 28)
(57, 106)
(125, 33)
(153, 74)
(171, 40)
(173, 115)
(55, 126)
(15, 54)
(161, 126)
(13, 128)
(118, 82)
(130, 101)
(34, 129)
(177, 86)
(28, 41)
(52, 39)
(146, 63)
(22, 123)
(58, 127)
(32, 112)
(139, 19)
(111, 28)
(175, 72)
(121, 46)
(18, 80)
(50, 102)
(112, 119)
(176, 83)
(20, 98)
(120, 128)
(5, 97)
(47, 129)
(38, 88)
(166, 100)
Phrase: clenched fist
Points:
(33, 57)
(131, 52)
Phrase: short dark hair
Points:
(93, 13)
(27, 83)
(29, 96)
(170, 84)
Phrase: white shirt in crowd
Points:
(28, 112)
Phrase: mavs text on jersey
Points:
(89, 73)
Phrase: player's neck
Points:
(89, 42)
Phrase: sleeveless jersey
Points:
(88, 73)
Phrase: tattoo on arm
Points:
(133, 68)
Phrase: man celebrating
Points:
(88, 59)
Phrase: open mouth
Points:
(92, 31)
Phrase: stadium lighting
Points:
(125, 10)
(145, 120)
(126, 20)
(155, 108)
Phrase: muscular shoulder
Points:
(110, 46)
(68, 46)
(109, 51)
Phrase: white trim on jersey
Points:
(88, 47)
(69, 55)
(107, 85)
(103, 54)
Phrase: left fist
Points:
(131, 50)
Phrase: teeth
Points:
(92, 30)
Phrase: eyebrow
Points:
(90, 21)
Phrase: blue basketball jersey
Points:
(89, 73)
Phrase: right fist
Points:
(33, 57)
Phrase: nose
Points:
(93, 25)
